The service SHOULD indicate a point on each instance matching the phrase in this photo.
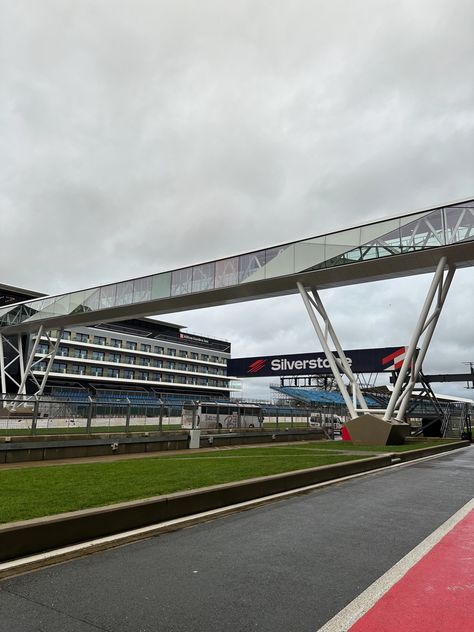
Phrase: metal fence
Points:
(46, 415)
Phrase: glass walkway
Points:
(399, 246)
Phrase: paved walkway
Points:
(437, 593)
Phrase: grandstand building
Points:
(133, 355)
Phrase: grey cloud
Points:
(139, 136)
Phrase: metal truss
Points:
(415, 354)
(337, 361)
(424, 330)
(26, 371)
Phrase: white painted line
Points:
(345, 619)
(32, 562)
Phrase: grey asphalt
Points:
(288, 566)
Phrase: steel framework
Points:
(423, 332)
(26, 371)
(338, 362)
(415, 354)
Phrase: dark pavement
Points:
(288, 566)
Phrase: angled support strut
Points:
(25, 372)
(425, 327)
(337, 361)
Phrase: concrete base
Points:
(373, 430)
(194, 439)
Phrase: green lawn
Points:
(39, 491)
(33, 492)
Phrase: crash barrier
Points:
(22, 449)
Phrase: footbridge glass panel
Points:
(270, 271)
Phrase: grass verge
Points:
(33, 492)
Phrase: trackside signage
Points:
(361, 361)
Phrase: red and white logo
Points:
(395, 359)
(256, 366)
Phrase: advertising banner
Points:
(360, 360)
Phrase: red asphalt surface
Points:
(435, 595)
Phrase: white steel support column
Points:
(339, 364)
(5, 366)
(3, 381)
(341, 361)
(20, 359)
(426, 325)
(429, 328)
(52, 357)
(26, 372)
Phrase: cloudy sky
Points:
(142, 135)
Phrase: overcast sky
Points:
(141, 135)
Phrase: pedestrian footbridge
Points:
(438, 239)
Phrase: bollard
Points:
(128, 412)
(90, 414)
(160, 422)
(35, 417)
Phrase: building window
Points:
(194, 356)
(183, 354)
(42, 348)
(170, 365)
(63, 351)
(129, 359)
(115, 342)
(214, 359)
(112, 373)
(78, 369)
(145, 347)
(128, 375)
(99, 340)
(181, 366)
(158, 364)
(171, 352)
(143, 375)
(98, 355)
(59, 367)
(159, 350)
(204, 357)
(114, 357)
(156, 377)
(80, 353)
(145, 361)
(212, 382)
(41, 366)
(81, 337)
(131, 345)
(66, 335)
(98, 371)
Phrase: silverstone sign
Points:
(360, 360)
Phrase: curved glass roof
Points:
(272, 271)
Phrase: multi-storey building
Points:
(137, 354)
